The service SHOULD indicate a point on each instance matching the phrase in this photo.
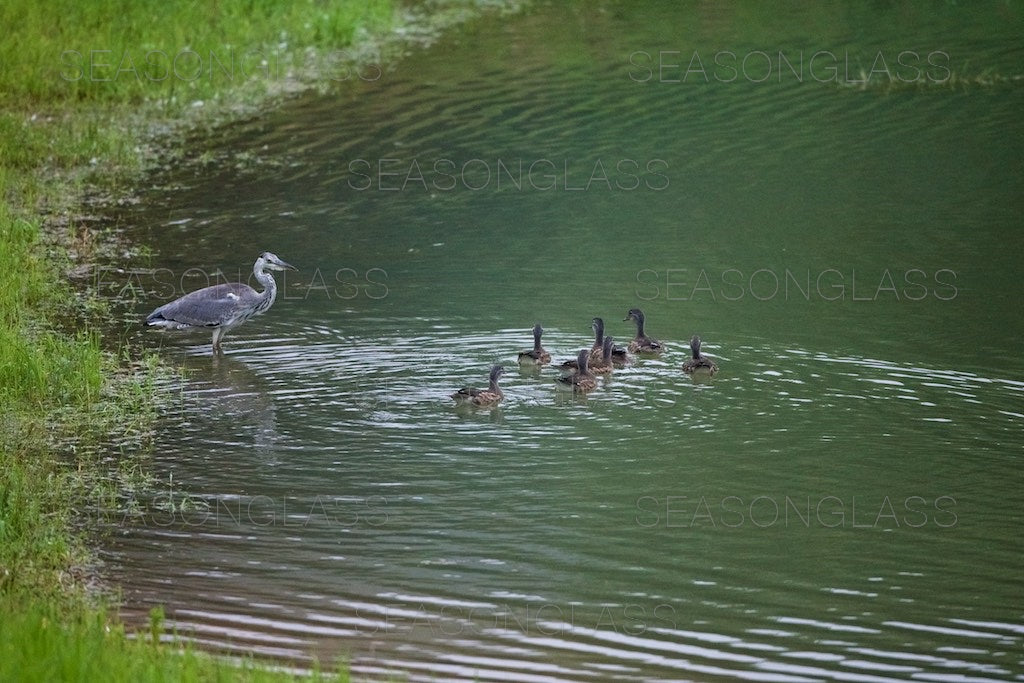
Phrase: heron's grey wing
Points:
(207, 307)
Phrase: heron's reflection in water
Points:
(225, 402)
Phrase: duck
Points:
(641, 342)
(619, 354)
(699, 364)
(605, 366)
(596, 352)
(537, 355)
(583, 381)
(491, 396)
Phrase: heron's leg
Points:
(218, 332)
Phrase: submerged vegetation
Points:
(84, 90)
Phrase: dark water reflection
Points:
(841, 502)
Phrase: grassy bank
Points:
(84, 86)
(45, 645)
(85, 90)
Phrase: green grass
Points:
(81, 82)
(39, 367)
(36, 645)
(123, 51)
(68, 401)
(61, 397)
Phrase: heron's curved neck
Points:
(267, 280)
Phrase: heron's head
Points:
(634, 314)
(272, 262)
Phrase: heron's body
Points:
(699, 364)
(641, 343)
(583, 381)
(537, 355)
(221, 307)
(482, 398)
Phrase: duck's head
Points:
(598, 326)
(270, 260)
(695, 346)
(496, 372)
(537, 330)
(634, 314)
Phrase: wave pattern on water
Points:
(811, 513)
(370, 515)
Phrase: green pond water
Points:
(842, 501)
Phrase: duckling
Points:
(699, 364)
(572, 366)
(483, 398)
(619, 354)
(582, 381)
(641, 342)
(537, 356)
(605, 366)
(569, 367)
(597, 364)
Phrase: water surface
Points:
(841, 502)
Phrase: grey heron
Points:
(221, 307)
